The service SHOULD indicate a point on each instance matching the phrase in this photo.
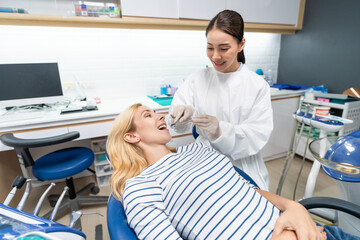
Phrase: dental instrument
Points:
(25, 195)
(17, 184)
(41, 200)
(16, 223)
(56, 208)
(75, 216)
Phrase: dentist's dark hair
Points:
(232, 23)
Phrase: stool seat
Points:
(63, 163)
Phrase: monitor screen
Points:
(29, 83)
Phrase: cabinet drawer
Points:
(104, 169)
(103, 180)
(93, 130)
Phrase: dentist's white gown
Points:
(242, 104)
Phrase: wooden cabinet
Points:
(269, 11)
(150, 8)
(262, 16)
(253, 11)
(92, 130)
(200, 9)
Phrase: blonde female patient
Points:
(193, 193)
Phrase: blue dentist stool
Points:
(60, 164)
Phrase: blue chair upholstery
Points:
(116, 218)
(116, 221)
(63, 163)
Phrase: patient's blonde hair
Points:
(127, 160)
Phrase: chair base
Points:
(73, 203)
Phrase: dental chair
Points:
(60, 164)
(119, 229)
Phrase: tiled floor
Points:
(325, 185)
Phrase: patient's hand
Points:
(291, 235)
(296, 218)
(285, 235)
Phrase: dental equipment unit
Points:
(326, 123)
(15, 223)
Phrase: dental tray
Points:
(163, 100)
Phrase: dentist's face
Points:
(222, 50)
(151, 127)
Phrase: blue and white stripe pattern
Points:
(196, 194)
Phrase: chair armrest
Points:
(10, 140)
(332, 203)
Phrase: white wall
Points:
(124, 62)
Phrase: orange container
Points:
(322, 111)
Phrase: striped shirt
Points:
(196, 194)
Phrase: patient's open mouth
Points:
(162, 127)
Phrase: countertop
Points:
(107, 111)
(277, 94)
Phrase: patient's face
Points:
(151, 126)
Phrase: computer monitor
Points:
(29, 83)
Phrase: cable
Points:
(303, 161)
(289, 154)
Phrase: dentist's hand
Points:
(209, 124)
(182, 113)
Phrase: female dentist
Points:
(229, 104)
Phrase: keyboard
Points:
(20, 116)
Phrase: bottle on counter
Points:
(12, 10)
(269, 77)
(111, 11)
(163, 89)
(83, 9)
(77, 9)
